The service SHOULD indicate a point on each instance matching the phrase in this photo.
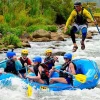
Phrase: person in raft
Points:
(25, 62)
(68, 66)
(79, 19)
(40, 70)
(12, 64)
(49, 60)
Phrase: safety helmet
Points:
(68, 56)
(48, 51)
(77, 3)
(24, 51)
(10, 54)
(37, 59)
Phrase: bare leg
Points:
(40, 81)
(50, 72)
(61, 79)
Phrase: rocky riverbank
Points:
(45, 36)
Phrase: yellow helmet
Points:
(48, 51)
(24, 51)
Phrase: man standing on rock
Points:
(79, 18)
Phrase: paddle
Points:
(79, 77)
(94, 19)
(29, 88)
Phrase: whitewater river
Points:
(92, 51)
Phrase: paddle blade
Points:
(80, 77)
(29, 91)
(74, 56)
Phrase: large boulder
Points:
(55, 36)
(41, 33)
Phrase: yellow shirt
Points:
(74, 14)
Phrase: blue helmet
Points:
(68, 56)
(10, 54)
(37, 59)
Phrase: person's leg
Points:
(51, 72)
(84, 33)
(40, 81)
(72, 33)
(61, 79)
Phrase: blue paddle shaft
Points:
(94, 19)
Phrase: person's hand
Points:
(32, 64)
(27, 76)
(25, 64)
(65, 29)
(95, 22)
(64, 71)
(56, 59)
(53, 68)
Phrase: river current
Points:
(92, 51)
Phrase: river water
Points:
(92, 51)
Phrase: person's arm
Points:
(72, 69)
(31, 69)
(18, 64)
(36, 77)
(71, 17)
(69, 20)
(88, 15)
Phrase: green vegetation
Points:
(11, 39)
(31, 15)
(28, 13)
(96, 14)
(52, 28)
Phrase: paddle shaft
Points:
(94, 19)
(67, 73)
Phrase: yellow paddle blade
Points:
(74, 56)
(80, 77)
(29, 91)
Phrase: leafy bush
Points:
(11, 39)
(51, 28)
(4, 28)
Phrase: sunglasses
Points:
(66, 58)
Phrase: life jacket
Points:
(35, 68)
(80, 19)
(64, 67)
(10, 67)
(45, 73)
(49, 61)
(23, 70)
